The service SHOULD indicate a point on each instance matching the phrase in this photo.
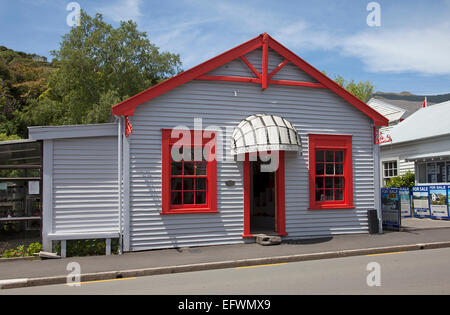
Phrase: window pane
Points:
(330, 169)
(320, 156)
(177, 168)
(391, 173)
(319, 182)
(422, 173)
(200, 197)
(188, 168)
(328, 194)
(201, 168)
(176, 184)
(329, 156)
(386, 173)
(188, 197)
(319, 168)
(339, 156)
(328, 182)
(431, 172)
(188, 184)
(200, 184)
(175, 198)
(440, 172)
(339, 182)
(339, 169)
(339, 194)
(320, 195)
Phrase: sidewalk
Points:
(222, 256)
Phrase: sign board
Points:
(438, 201)
(390, 208)
(405, 202)
(420, 202)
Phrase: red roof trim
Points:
(128, 106)
(378, 119)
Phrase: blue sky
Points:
(409, 51)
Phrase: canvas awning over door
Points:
(261, 132)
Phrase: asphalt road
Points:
(415, 272)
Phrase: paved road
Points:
(416, 272)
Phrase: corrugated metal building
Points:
(252, 141)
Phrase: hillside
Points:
(22, 78)
(406, 96)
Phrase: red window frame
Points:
(338, 181)
(192, 139)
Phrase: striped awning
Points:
(261, 132)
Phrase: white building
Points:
(421, 144)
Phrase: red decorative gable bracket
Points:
(127, 107)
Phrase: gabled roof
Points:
(391, 112)
(264, 41)
(431, 121)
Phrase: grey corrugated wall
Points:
(85, 190)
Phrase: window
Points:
(433, 172)
(330, 168)
(389, 171)
(188, 172)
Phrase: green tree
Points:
(362, 90)
(98, 66)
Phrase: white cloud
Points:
(423, 49)
(123, 10)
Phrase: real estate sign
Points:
(438, 201)
(421, 202)
(405, 202)
(390, 208)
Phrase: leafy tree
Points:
(98, 66)
(405, 180)
(362, 90)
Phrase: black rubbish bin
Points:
(372, 217)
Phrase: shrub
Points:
(90, 247)
(34, 248)
(406, 180)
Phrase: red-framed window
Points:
(189, 172)
(330, 172)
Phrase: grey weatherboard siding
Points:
(226, 104)
(84, 185)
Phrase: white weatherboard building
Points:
(224, 118)
(420, 144)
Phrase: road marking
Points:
(97, 281)
(386, 254)
(256, 266)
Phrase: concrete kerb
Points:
(30, 282)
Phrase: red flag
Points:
(128, 127)
(424, 104)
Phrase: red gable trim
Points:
(128, 106)
(378, 119)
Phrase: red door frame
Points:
(280, 221)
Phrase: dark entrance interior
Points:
(262, 200)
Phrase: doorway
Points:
(262, 199)
(259, 217)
